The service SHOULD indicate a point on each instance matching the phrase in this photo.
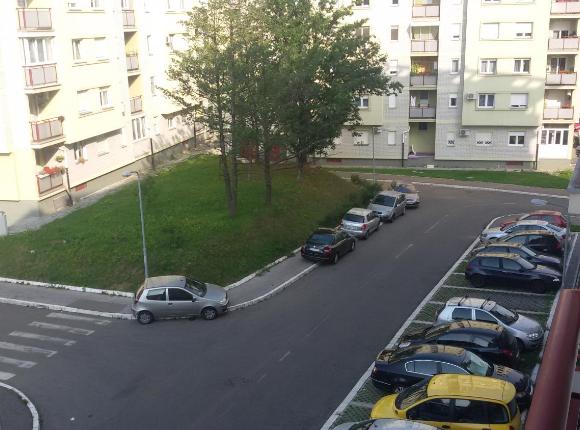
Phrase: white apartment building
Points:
(487, 84)
(79, 96)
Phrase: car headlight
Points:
(223, 301)
(533, 336)
(556, 280)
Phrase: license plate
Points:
(315, 250)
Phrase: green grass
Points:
(532, 179)
(187, 227)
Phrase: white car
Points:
(495, 233)
(360, 222)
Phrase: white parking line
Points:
(491, 290)
(523, 311)
(409, 246)
(65, 328)
(363, 405)
(5, 376)
(26, 349)
(18, 363)
(422, 322)
(435, 302)
(78, 318)
(436, 223)
(43, 338)
(284, 356)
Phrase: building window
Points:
(483, 139)
(393, 67)
(488, 67)
(455, 31)
(100, 48)
(489, 31)
(171, 122)
(175, 4)
(519, 100)
(77, 49)
(450, 139)
(362, 138)
(392, 101)
(394, 2)
(423, 126)
(517, 138)
(156, 125)
(486, 101)
(37, 50)
(152, 86)
(522, 65)
(523, 30)
(554, 136)
(454, 66)
(364, 31)
(363, 102)
(105, 98)
(139, 131)
(80, 151)
(84, 102)
(95, 4)
(363, 3)
(452, 100)
(394, 32)
(391, 137)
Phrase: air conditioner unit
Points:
(464, 132)
(469, 96)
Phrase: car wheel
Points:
(538, 287)
(353, 245)
(145, 317)
(366, 236)
(477, 281)
(335, 258)
(209, 314)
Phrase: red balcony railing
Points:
(34, 19)
(49, 181)
(128, 18)
(47, 129)
(422, 112)
(132, 62)
(565, 6)
(136, 104)
(41, 75)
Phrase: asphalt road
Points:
(283, 364)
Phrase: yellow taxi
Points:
(455, 402)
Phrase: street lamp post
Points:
(126, 175)
(373, 129)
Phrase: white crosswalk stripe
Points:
(18, 363)
(5, 376)
(34, 336)
(26, 349)
(64, 328)
(78, 318)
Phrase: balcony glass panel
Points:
(34, 19)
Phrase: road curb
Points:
(61, 308)
(29, 404)
(68, 287)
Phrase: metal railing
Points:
(566, 6)
(422, 112)
(128, 18)
(561, 78)
(564, 44)
(428, 45)
(132, 62)
(136, 104)
(47, 129)
(423, 79)
(48, 182)
(558, 113)
(426, 11)
(37, 76)
(34, 19)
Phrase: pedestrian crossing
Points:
(23, 349)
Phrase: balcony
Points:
(128, 18)
(40, 76)
(561, 78)
(132, 63)
(422, 9)
(425, 46)
(136, 104)
(423, 80)
(45, 132)
(49, 180)
(564, 44)
(565, 6)
(422, 112)
(563, 113)
(34, 19)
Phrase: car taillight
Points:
(326, 249)
(364, 227)
(507, 352)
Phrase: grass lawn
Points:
(531, 179)
(187, 228)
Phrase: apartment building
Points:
(79, 96)
(487, 84)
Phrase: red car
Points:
(553, 217)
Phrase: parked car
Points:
(457, 402)
(396, 370)
(539, 241)
(360, 222)
(553, 217)
(496, 233)
(328, 245)
(177, 297)
(528, 332)
(511, 269)
(412, 199)
(491, 342)
(521, 250)
(388, 205)
(385, 424)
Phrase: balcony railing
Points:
(564, 44)
(429, 45)
(422, 112)
(562, 78)
(34, 19)
(565, 6)
(128, 18)
(46, 130)
(559, 113)
(425, 10)
(136, 104)
(423, 80)
(41, 75)
(132, 62)
(49, 181)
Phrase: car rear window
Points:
(497, 414)
(513, 408)
(354, 218)
(384, 200)
(459, 314)
(406, 189)
(321, 238)
(412, 395)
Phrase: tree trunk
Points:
(301, 160)
(230, 194)
(267, 174)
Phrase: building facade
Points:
(487, 83)
(79, 96)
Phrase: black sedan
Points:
(540, 241)
(327, 244)
(521, 250)
(396, 370)
(489, 341)
(511, 269)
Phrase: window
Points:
(486, 101)
(362, 139)
(83, 98)
(393, 67)
(522, 65)
(488, 67)
(484, 316)
(510, 264)
(80, 151)
(149, 46)
(459, 314)
(431, 410)
(104, 97)
(179, 295)
(156, 294)
(454, 65)
(364, 31)
(523, 30)
(450, 139)
(453, 100)
(470, 411)
(497, 414)
(423, 126)
(491, 262)
(138, 125)
(363, 102)
(392, 101)
(152, 86)
(489, 31)
(517, 138)
(77, 51)
(455, 31)
(483, 139)
(100, 48)
(452, 369)
(394, 2)
(95, 4)
(363, 3)
(554, 136)
(519, 100)
(425, 367)
(156, 124)
(171, 123)
(175, 4)
(394, 32)
(37, 50)
(391, 137)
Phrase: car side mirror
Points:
(194, 300)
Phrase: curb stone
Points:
(62, 308)
(29, 404)
(68, 287)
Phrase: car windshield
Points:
(504, 315)
(196, 286)
(528, 251)
(412, 395)
(321, 239)
(406, 189)
(354, 218)
(384, 200)
(476, 365)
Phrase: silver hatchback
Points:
(388, 205)
(360, 222)
(178, 297)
